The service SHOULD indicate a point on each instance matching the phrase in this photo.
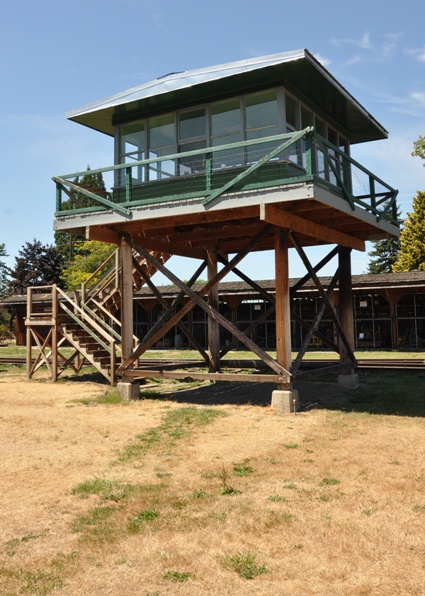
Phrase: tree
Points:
(419, 148)
(412, 238)
(384, 253)
(89, 257)
(67, 243)
(3, 272)
(36, 265)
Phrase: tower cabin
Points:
(212, 164)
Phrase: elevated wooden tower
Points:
(215, 163)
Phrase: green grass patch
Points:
(329, 481)
(244, 564)
(243, 469)
(138, 521)
(39, 583)
(177, 424)
(110, 397)
(178, 576)
(107, 490)
(94, 517)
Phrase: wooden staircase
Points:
(85, 320)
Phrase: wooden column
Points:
(213, 326)
(346, 316)
(126, 285)
(283, 313)
(393, 295)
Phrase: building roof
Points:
(409, 280)
(298, 70)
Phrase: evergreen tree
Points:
(35, 265)
(67, 243)
(384, 253)
(3, 272)
(412, 238)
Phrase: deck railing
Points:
(292, 158)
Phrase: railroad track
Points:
(408, 364)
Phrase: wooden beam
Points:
(188, 219)
(240, 377)
(102, 234)
(283, 313)
(283, 219)
(213, 326)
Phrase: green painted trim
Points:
(93, 196)
(294, 138)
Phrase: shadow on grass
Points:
(392, 393)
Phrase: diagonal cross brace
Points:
(258, 164)
(317, 319)
(94, 196)
(165, 305)
(165, 324)
(324, 296)
(199, 301)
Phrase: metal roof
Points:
(298, 70)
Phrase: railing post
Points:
(58, 197)
(372, 193)
(208, 171)
(128, 184)
(309, 154)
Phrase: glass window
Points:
(192, 125)
(133, 148)
(226, 128)
(306, 117)
(261, 114)
(192, 136)
(226, 118)
(291, 114)
(161, 143)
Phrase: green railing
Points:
(299, 157)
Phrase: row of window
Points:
(372, 320)
(253, 116)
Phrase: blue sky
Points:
(57, 55)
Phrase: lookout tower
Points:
(212, 164)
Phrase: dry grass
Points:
(111, 498)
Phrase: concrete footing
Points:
(285, 401)
(128, 391)
(348, 381)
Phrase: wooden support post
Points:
(393, 295)
(126, 300)
(55, 314)
(213, 326)
(283, 313)
(346, 317)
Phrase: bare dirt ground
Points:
(327, 502)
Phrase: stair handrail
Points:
(84, 317)
(102, 278)
(114, 319)
(112, 331)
